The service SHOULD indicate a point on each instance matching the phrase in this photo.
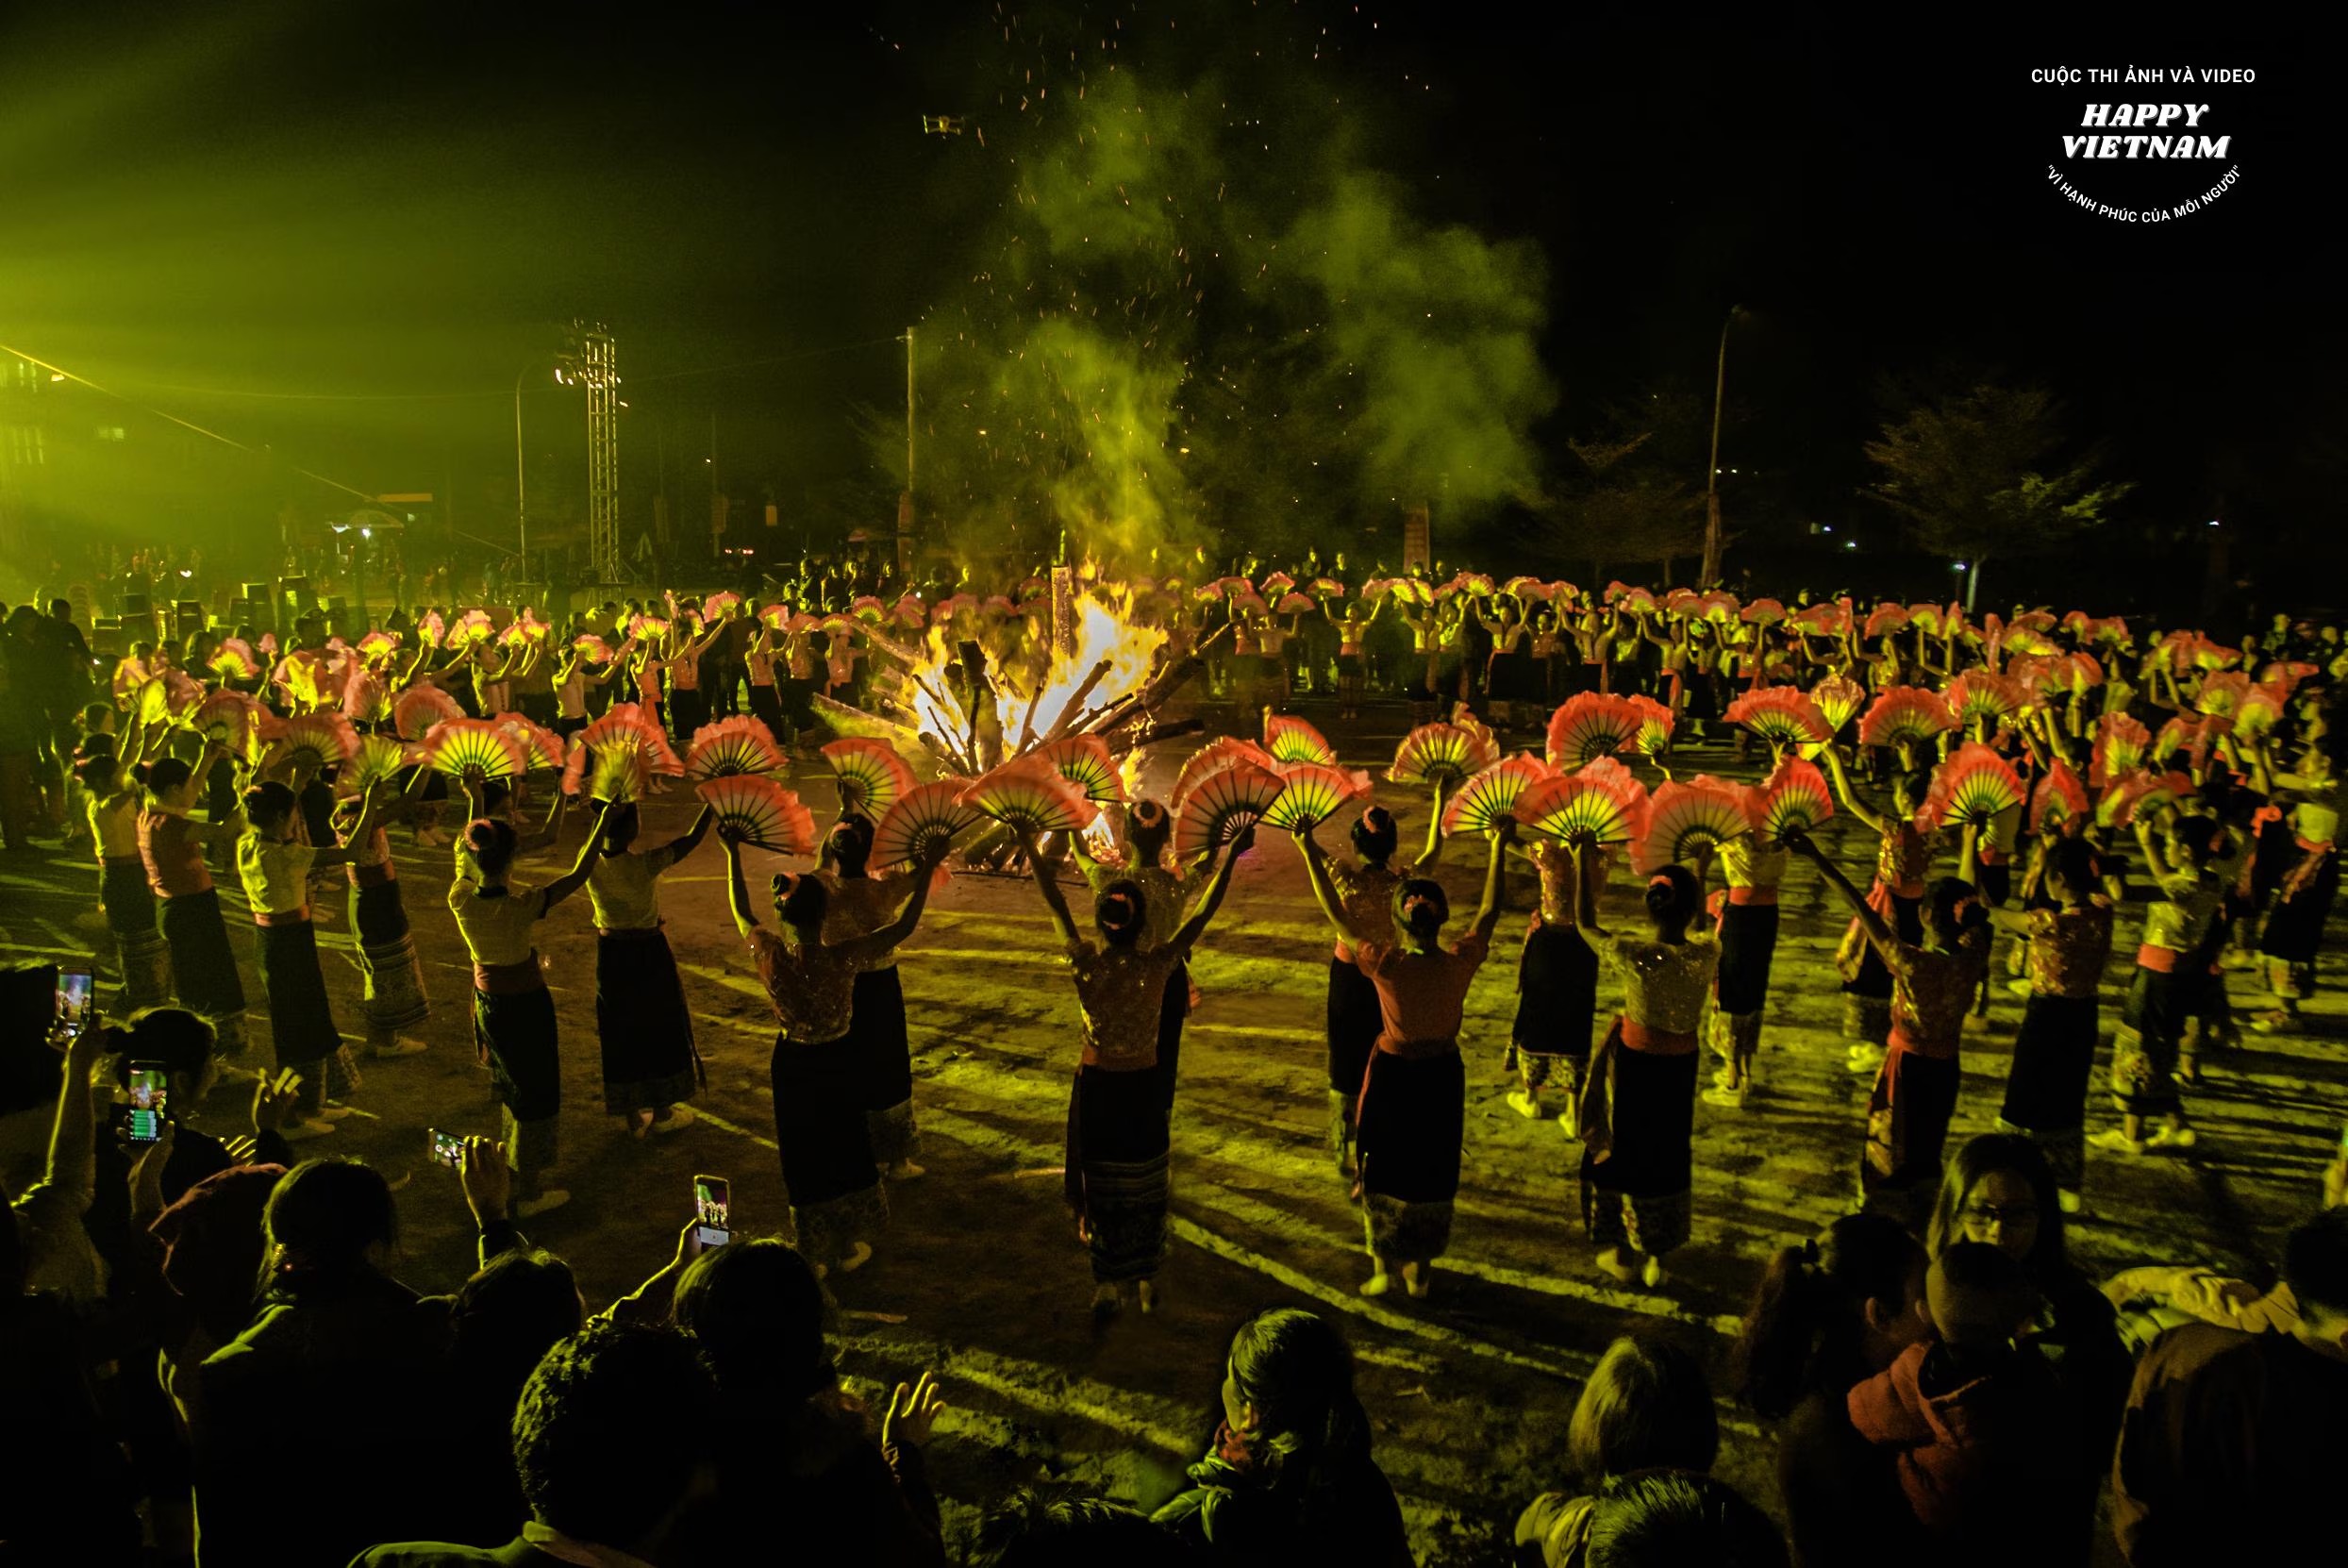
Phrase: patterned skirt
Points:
(641, 1023)
(2145, 1046)
(1119, 1180)
(884, 1055)
(1408, 1127)
(1638, 1173)
(2294, 924)
(393, 976)
(139, 949)
(834, 1186)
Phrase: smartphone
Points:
(448, 1148)
(150, 1097)
(76, 989)
(712, 1202)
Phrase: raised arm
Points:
(548, 831)
(1585, 901)
(1186, 936)
(1434, 850)
(737, 893)
(354, 843)
(1886, 941)
(1048, 885)
(1324, 891)
(688, 840)
(1488, 913)
(572, 881)
(1851, 802)
(877, 944)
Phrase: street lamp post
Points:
(1712, 474)
(521, 481)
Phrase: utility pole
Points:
(1712, 476)
(904, 502)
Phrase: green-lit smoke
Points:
(1443, 326)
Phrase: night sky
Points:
(373, 215)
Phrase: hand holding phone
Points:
(448, 1148)
(712, 1210)
(150, 1101)
(76, 1003)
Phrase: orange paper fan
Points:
(542, 748)
(316, 740)
(1291, 740)
(1838, 698)
(1213, 814)
(473, 749)
(1311, 794)
(1223, 751)
(379, 758)
(924, 816)
(1686, 819)
(870, 776)
(418, 708)
(1023, 795)
(2058, 798)
(624, 727)
(1582, 809)
(1656, 723)
(2120, 743)
(1780, 716)
(1084, 762)
(740, 744)
(1971, 788)
(1590, 725)
(1493, 793)
(225, 718)
(759, 811)
(1438, 754)
(1979, 697)
(1904, 716)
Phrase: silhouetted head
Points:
(1420, 908)
(1122, 912)
(1374, 835)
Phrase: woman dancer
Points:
(758, 660)
(689, 706)
(1165, 896)
(1366, 893)
(1902, 856)
(858, 904)
(1933, 986)
(2067, 942)
(274, 863)
(139, 950)
(1116, 1179)
(204, 966)
(513, 1014)
(2168, 977)
(1557, 983)
(2293, 930)
(1639, 1102)
(1412, 1110)
(1752, 867)
(650, 1065)
(395, 998)
(1352, 631)
(836, 1193)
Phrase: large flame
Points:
(1106, 633)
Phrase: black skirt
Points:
(204, 966)
(884, 1053)
(1412, 1115)
(1557, 983)
(819, 1124)
(378, 914)
(1653, 1113)
(1353, 1026)
(688, 712)
(2294, 925)
(1172, 1010)
(1511, 678)
(2054, 1061)
(128, 898)
(642, 1022)
(1748, 942)
(301, 1020)
(515, 1030)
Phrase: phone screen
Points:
(448, 1148)
(712, 1236)
(76, 989)
(150, 1096)
(711, 1201)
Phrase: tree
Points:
(1978, 476)
(1620, 507)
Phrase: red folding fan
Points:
(1656, 720)
(1590, 725)
(1223, 751)
(1213, 814)
(740, 744)
(1903, 716)
(1979, 697)
(2057, 798)
(924, 817)
(473, 749)
(234, 660)
(2120, 743)
(542, 748)
(379, 758)
(1971, 788)
(1026, 795)
(1438, 754)
(623, 726)
(316, 740)
(757, 810)
(1583, 808)
(1886, 621)
(1780, 716)
(870, 776)
(225, 718)
(1793, 799)
(1311, 794)
(1684, 820)
(1084, 762)
(1838, 697)
(418, 708)
(1493, 793)
(1291, 740)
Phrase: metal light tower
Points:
(593, 361)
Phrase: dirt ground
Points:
(981, 1276)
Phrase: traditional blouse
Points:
(114, 825)
(1366, 894)
(813, 988)
(496, 926)
(571, 696)
(1121, 991)
(2068, 949)
(1163, 896)
(623, 891)
(858, 905)
(175, 867)
(759, 664)
(1902, 856)
(1931, 994)
(2179, 920)
(1421, 996)
(371, 862)
(1664, 984)
(275, 873)
(1753, 868)
(1555, 863)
